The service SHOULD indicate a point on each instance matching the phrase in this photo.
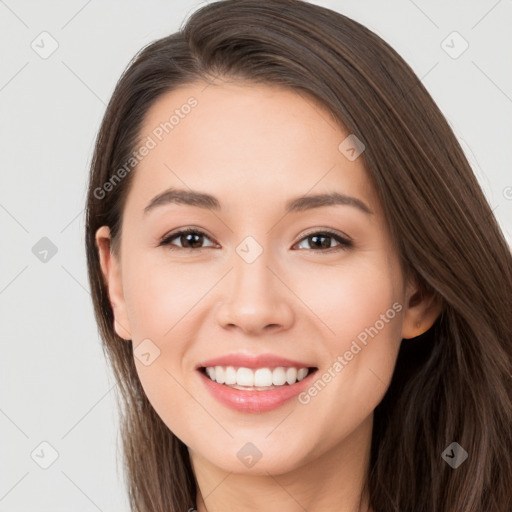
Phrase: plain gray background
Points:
(55, 385)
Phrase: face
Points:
(264, 283)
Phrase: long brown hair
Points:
(451, 384)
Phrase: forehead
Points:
(234, 140)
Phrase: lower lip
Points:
(255, 401)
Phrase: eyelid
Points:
(328, 231)
(184, 230)
(344, 241)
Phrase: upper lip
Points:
(253, 361)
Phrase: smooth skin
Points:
(253, 147)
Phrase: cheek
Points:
(162, 305)
(161, 297)
(361, 307)
(349, 298)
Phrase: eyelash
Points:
(344, 243)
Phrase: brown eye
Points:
(322, 240)
(193, 239)
(189, 239)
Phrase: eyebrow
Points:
(296, 204)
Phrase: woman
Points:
(301, 288)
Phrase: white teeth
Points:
(291, 375)
(301, 374)
(244, 377)
(278, 376)
(260, 378)
(229, 376)
(219, 374)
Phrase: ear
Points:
(422, 307)
(111, 270)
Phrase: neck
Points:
(331, 481)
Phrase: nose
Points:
(256, 299)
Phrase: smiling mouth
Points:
(259, 379)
